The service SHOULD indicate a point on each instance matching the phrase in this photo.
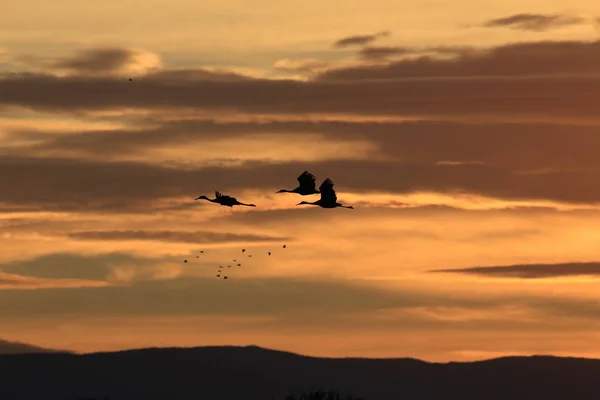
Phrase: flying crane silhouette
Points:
(224, 200)
(307, 185)
(328, 198)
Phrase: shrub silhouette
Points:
(323, 395)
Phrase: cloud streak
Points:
(108, 61)
(359, 40)
(174, 236)
(58, 266)
(383, 52)
(19, 282)
(530, 271)
(300, 66)
(534, 22)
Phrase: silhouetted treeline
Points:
(323, 395)
(312, 395)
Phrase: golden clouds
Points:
(97, 210)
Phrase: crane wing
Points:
(307, 180)
(222, 197)
(327, 192)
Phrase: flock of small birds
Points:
(220, 273)
(306, 187)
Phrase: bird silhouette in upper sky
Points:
(307, 185)
(224, 200)
(328, 197)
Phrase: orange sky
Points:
(465, 135)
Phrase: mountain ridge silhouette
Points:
(257, 373)
(11, 347)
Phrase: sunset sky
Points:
(466, 134)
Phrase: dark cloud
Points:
(382, 52)
(76, 185)
(291, 302)
(183, 76)
(97, 60)
(514, 146)
(359, 40)
(106, 61)
(174, 236)
(517, 59)
(299, 66)
(74, 266)
(534, 22)
(197, 296)
(530, 271)
(362, 90)
(81, 185)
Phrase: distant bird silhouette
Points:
(224, 200)
(243, 250)
(224, 277)
(328, 198)
(202, 251)
(269, 253)
(218, 276)
(239, 265)
(284, 246)
(307, 185)
(184, 260)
